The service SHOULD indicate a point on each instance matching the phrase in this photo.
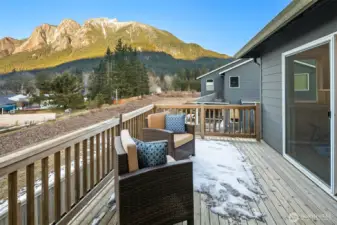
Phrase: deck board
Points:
(294, 181)
(285, 190)
(287, 193)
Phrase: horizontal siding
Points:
(272, 86)
(312, 25)
(273, 102)
(271, 93)
(218, 84)
(271, 78)
(249, 83)
(272, 70)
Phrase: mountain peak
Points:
(69, 22)
(67, 27)
(92, 39)
(101, 21)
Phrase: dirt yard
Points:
(13, 141)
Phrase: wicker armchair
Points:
(181, 146)
(151, 196)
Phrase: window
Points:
(301, 81)
(209, 85)
(234, 82)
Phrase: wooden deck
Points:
(289, 196)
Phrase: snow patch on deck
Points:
(222, 172)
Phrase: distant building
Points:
(233, 83)
(6, 104)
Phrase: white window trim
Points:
(209, 85)
(308, 78)
(229, 81)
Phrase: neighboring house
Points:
(298, 51)
(233, 83)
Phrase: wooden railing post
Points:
(13, 198)
(30, 194)
(85, 166)
(45, 192)
(68, 177)
(202, 122)
(77, 172)
(257, 122)
(57, 186)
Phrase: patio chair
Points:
(180, 146)
(154, 195)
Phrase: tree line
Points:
(121, 71)
(186, 79)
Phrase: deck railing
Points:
(220, 120)
(52, 181)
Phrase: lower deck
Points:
(288, 197)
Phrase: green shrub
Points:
(99, 99)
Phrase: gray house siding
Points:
(249, 83)
(311, 26)
(218, 84)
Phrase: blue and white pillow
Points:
(151, 153)
(175, 123)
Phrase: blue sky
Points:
(220, 25)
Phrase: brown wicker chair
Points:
(181, 146)
(151, 196)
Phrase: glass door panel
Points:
(307, 96)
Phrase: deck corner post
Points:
(258, 122)
(202, 121)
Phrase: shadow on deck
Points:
(289, 196)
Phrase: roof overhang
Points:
(222, 67)
(236, 66)
(295, 8)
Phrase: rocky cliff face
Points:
(70, 41)
(8, 45)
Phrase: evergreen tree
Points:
(144, 80)
(66, 91)
(122, 71)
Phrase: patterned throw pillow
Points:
(175, 123)
(151, 153)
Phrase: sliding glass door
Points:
(307, 110)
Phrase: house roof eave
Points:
(236, 66)
(288, 14)
(224, 66)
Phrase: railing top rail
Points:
(198, 106)
(229, 106)
(19, 159)
(130, 115)
(166, 106)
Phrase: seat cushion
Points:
(175, 123)
(151, 153)
(181, 139)
(156, 120)
(130, 148)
